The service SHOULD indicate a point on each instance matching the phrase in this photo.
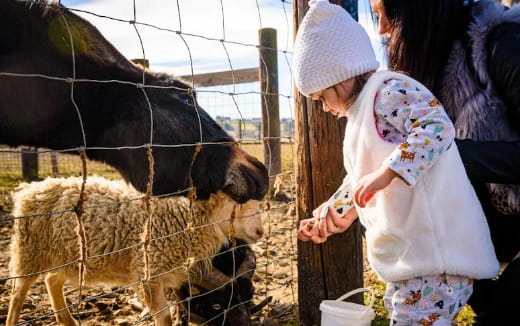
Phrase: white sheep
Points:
(41, 243)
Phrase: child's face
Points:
(334, 98)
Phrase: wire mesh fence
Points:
(273, 278)
(49, 163)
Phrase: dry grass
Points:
(288, 152)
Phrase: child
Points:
(426, 234)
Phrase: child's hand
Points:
(335, 223)
(371, 183)
(318, 229)
(309, 230)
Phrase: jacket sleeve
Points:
(425, 128)
(491, 161)
(341, 199)
(503, 46)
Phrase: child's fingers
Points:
(343, 222)
(363, 197)
(333, 225)
(369, 197)
(302, 237)
(304, 230)
(359, 197)
(311, 231)
(321, 233)
(325, 228)
(304, 234)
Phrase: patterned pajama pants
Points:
(427, 301)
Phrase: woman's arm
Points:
(499, 161)
(491, 161)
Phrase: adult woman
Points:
(468, 53)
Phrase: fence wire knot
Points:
(189, 263)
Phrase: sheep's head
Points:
(246, 218)
(247, 222)
(211, 308)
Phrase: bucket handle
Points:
(346, 295)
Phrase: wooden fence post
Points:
(54, 164)
(270, 104)
(29, 159)
(331, 269)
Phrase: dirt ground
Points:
(275, 276)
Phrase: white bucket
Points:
(340, 313)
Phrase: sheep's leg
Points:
(54, 284)
(20, 288)
(155, 299)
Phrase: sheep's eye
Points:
(215, 306)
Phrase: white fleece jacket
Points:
(436, 227)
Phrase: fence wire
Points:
(73, 162)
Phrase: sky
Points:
(203, 23)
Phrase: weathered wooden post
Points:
(331, 269)
(268, 70)
(29, 159)
(54, 164)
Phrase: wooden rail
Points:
(224, 77)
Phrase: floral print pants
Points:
(431, 300)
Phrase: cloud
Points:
(202, 23)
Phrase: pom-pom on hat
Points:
(330, 47)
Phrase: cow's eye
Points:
(188, 99)
(215, 306)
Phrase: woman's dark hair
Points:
(422, 35)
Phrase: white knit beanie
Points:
(330, 47)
